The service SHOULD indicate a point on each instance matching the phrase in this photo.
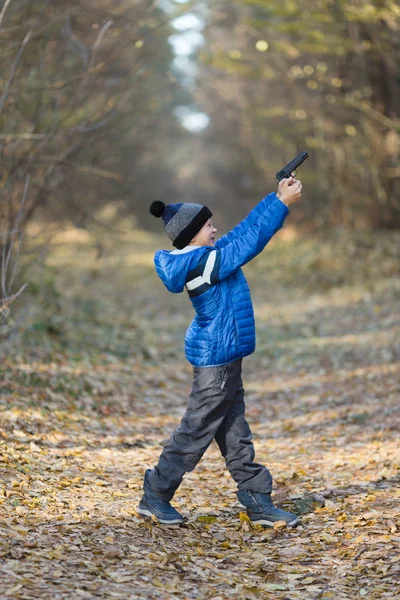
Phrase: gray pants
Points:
(215, 410)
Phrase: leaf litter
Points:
(81, 421)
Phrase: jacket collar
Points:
(185, 249)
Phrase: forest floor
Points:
(95, 380)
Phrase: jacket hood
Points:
(173, 266)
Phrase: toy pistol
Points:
(292, 166)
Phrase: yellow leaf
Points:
(280, 525)
(64, 483)
(244, 518)
(57, 573)
(11, 591)
(153, 556)
(207, 519)
(109, 539)
(327, 537)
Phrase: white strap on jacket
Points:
(206, 277)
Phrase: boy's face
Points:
(206, 235)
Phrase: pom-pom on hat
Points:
(157, 208)
(181, 221)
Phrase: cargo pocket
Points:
(224, 376)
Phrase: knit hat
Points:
(181, 221)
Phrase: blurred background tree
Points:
(79, 80)
(129, 101)
(322, 77)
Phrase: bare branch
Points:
(100, 172)
(12, 232)
(19, 216)
(97, 43)
(3, 270)
(3, 12)
(371, 112)
(8, 248)
(22, 136)
(40, 196)
(7, 253)
(14, 69)
(5, 302)
(17, 223)
(98, 125)
(74, 42)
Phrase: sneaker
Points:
(153, 505)
(261, 510)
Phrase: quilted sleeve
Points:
(254, 239)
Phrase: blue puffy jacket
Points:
(223, 329)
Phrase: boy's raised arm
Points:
(252, 241)
(289, 191)
(217, 264)
(247, 222)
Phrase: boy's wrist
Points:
(283, 199)
(283, 203)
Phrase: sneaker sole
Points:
(146, 513)
(266, 523)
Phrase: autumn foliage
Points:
(96, 380)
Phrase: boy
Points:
(220, 335)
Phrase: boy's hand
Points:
(289, 190)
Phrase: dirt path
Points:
(80, 424)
